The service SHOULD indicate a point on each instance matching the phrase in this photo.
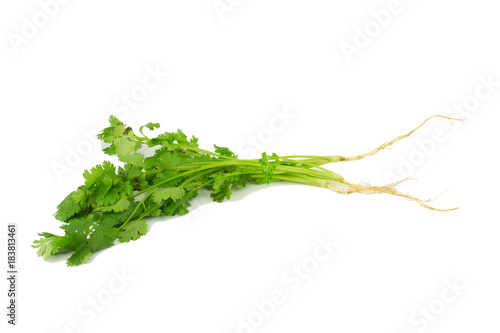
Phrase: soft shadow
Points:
(59, 257)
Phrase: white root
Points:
(390, 143)
(389, 188)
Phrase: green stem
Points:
(196, 176)
(136, 208)
(321, 159)
(211, 165)
(333, 176)
(301, 179)
(140, 130)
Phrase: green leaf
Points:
(118, 131)
(194, 141)
(106, 134)
(80, 256)
(267, 167)
(190, 186)
(113, 121)
(128, 188)
(67, 208)
(109, 150)
(125, 146)
(48, 245)
(129, 172)
(167, 160)
(167, 140)
(133, 230)
(104, 234)
(93, 175)
(120, 206)
(219, 179)
(152, 126)
(79, 196)
(80, 226)
(136, 159)
(140, 183)
(110, 198)
(179, 207)
(174, 193)
(149, 162)
(109, 168)
(224, 151)
(165, 176)
(180, 137)
(167, 136)
(103, 187)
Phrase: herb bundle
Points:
(115, 202)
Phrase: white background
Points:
(228, 76)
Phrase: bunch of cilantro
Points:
(114, 203)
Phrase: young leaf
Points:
(104, 234)
(267, 167)
(80, 256)
(81, 227)
(124, 146)
(224, 151)
(67, 208)
(120, 206)
(133, 230)
(174, 193)
(136, 159)
(93, 175)
(151, 126)
(48, 245)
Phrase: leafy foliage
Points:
(133, 230)
(114, 202)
